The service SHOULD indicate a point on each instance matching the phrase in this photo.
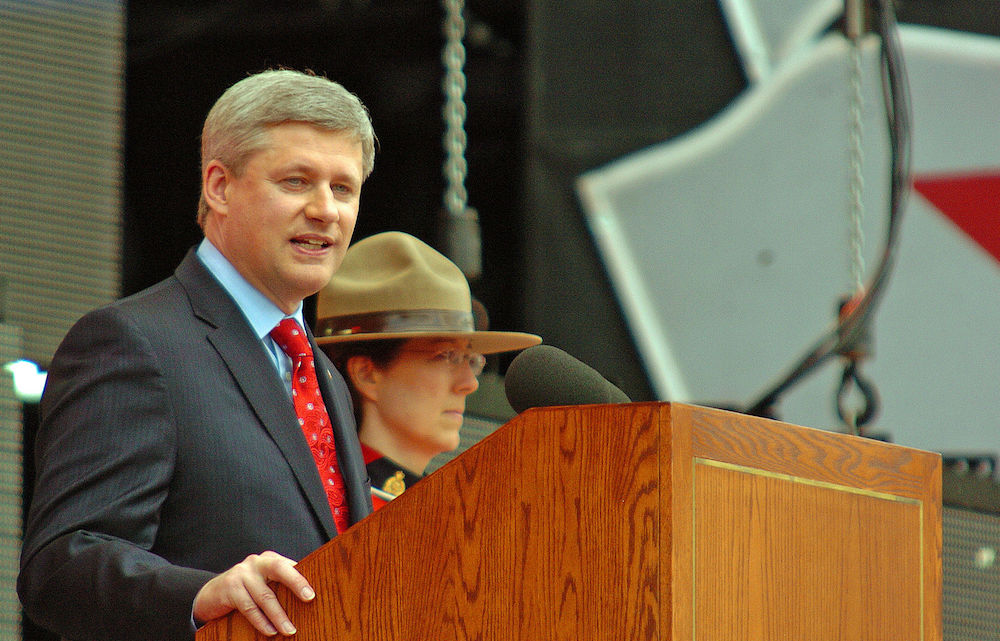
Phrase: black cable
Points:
(852, 326)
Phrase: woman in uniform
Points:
(397, 320)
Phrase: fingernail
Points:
(308, 594)
(288, 628)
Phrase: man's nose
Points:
(323, 205)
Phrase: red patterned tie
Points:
(312, 414)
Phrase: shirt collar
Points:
(261, 313)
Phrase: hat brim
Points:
(484, 342)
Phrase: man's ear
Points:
(364, 376)
(214, 186)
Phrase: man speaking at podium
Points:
(189, 450)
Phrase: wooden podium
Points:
(640, 521)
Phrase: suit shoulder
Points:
(148, 305)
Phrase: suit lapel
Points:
(248, 361)
(349, 457)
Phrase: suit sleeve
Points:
(105, 454)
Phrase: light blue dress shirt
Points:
(260, 312)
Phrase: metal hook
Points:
(868, 392)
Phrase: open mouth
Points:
(311, 243)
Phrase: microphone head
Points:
(544, 376)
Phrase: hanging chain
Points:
(856, 414)
(453, 56)
(857, 180)
(462, 222)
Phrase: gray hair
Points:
(237, 124)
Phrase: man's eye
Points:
(295, 181)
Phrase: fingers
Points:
(244, 588)
(284, 572)
(258, 603)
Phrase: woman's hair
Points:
(381, 352)
(238, 123)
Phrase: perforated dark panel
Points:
(971, 573)
(60, 114)
(10, 487)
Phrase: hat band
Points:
(416, 320)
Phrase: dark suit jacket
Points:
(168, 451)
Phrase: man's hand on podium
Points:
(244, 588)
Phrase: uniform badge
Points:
(395, 484)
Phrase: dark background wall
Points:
(554, 88)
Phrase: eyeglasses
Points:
(456, 358)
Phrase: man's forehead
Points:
(299, 141)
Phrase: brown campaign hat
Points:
(393, 285)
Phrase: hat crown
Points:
(394, 272)
(394, 286)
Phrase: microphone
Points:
(543, 376)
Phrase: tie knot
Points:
(291, 338)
